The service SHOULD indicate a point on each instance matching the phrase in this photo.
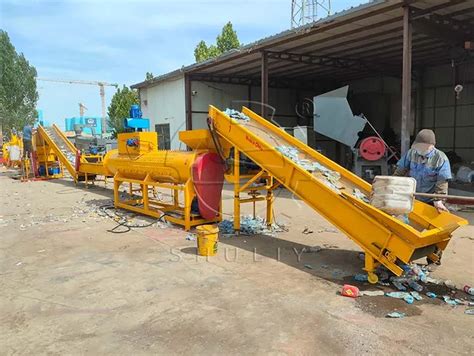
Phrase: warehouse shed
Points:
(401, 59)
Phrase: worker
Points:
(27, 140)
(429, 166)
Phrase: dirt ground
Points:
(67, 286)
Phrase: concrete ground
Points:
(68, 286)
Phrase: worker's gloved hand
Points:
(438, 204)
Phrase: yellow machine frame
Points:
(384, 239)
(177, 212)
(250, 187)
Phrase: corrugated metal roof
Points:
(362, 40)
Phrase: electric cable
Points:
(122, 223)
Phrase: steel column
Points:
(406, 81)
(188, 102)
(264, 84)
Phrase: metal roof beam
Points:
(317, 27)
(385, 45)
(422, 12)
(442, 26)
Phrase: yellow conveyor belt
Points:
(384, 239)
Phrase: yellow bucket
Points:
(207, 238)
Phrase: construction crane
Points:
(101, 85)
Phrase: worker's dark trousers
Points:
(27, 148)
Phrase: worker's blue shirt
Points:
(427, 170)
(27, 133)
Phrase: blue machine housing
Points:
(136, 124)
(135, 121)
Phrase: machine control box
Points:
(137, 143)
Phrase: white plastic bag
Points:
(393, 195)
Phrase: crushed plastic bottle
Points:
(409, 299)
(431, 295)
(396, 315)
(453, 302)
(416, 295)
(468, 289)
(398, 283)
(417, 271)
(361, 277)
(414, 285)
(237, 115)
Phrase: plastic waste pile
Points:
(249, 226)
(237, 115)
(331, 177)
(71, 157)
(410, 278)
(358, 194)
(414, 284)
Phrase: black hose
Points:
(123, 224)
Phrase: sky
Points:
(118, 41)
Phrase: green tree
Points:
(149, 76)
(226, 41)
(120, 106)
(18, 94)
(201, 52)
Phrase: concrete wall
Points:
(165, 104)
(220, 95)
(235, 96)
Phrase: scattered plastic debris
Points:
(372, 293)
(431, 295)
(383, 274)
(250, 226)
(308, 266)
(452, 301)
(307, 230)
(361, 277)
(415, 286)
(416, 295)
(19, 263)
(398, 284)
(469, 311)
(407, 297)
(191, 237)
(350, 291)
(358, 194)
(328, 229)
(331, 178)
(397, 315)
(433, 280)
(468, 289)
(235, 114)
